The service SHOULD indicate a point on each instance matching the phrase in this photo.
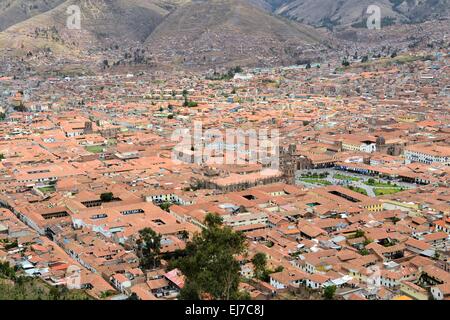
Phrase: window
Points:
(133, 211)
(52, 215)
(159, 222)
(99, 216)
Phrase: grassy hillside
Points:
(17, 287)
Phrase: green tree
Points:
(364, 252)
(2, 156)
(436, 255)
(395, 220)
(209, 265)
(213, 220)
(279, 269)
(190, 291)
(165, 206)
(107, 197)
(184, 235)
(328, 292)
(359, 233)
(133, 296)
(12, 245)
(6, 271)
(259, 261)
(148, 248)
(107, 294)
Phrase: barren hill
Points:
(16, 11)
(102, 22)
(220, 32)
(342, 13)
(200, 33)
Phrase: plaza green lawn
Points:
(345, 177)
(95, 149)
(386, 191)
(381, 184)
(359, 190)
(47, 189)
(316, 181)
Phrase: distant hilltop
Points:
(200, 33)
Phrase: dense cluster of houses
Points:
(360, 200)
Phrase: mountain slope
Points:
(102, 22)
(200, 33)
(16, 11)
(422, 10)
(213, 32)
(332, 13)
